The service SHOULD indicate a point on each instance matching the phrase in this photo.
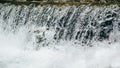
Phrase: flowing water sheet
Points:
(59, 36)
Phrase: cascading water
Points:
(52, 36)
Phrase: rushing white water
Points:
(59, 37)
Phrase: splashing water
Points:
(59, 37)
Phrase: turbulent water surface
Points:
(59, 36)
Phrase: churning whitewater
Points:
(52, 36)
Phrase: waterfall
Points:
(85, 30)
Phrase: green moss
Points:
(62, 3)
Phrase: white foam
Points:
(13, 55)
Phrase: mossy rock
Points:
(60, 3)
